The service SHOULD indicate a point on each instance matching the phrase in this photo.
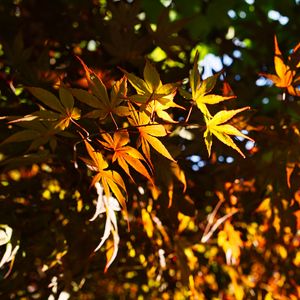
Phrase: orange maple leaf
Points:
(285, 74)
(124, 154)
(109, 179)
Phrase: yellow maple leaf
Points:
(216, 126)
(152, 95)
(148, 134)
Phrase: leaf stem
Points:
(112, 117)
(189, 113)
(83, 129)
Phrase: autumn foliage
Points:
(175, 184)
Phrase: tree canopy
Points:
(149, 149)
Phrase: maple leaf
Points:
(124, 154)
(200, 89)
(109, 179)
(284, 74)
(148, 133)
(40, 133)
(99, 99)
(108, 206)
(63, 110)
(42, 126)
(215, 126)
(160, 110)
(150, 90)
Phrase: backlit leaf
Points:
(151, 76)
(215, 126)
(158, 146)
(125, 155)
(212, 99)
(201, 88)
(225, 115)
(227, 140)
(150, 90)
(110, 180)
(148, 133)
(208, 140)
(284, 73)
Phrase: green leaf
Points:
(36, 143)
(21, 136)
(41, 115)
(195, 76)
(96, 114)
(66, 98)
(95, 84)
(208, 84)
(208, 140)
(46, 115)
(86, 98)
(47, 98)
(99, 89)
(185, 94)
(27, 159)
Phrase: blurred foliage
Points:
(228, 229)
